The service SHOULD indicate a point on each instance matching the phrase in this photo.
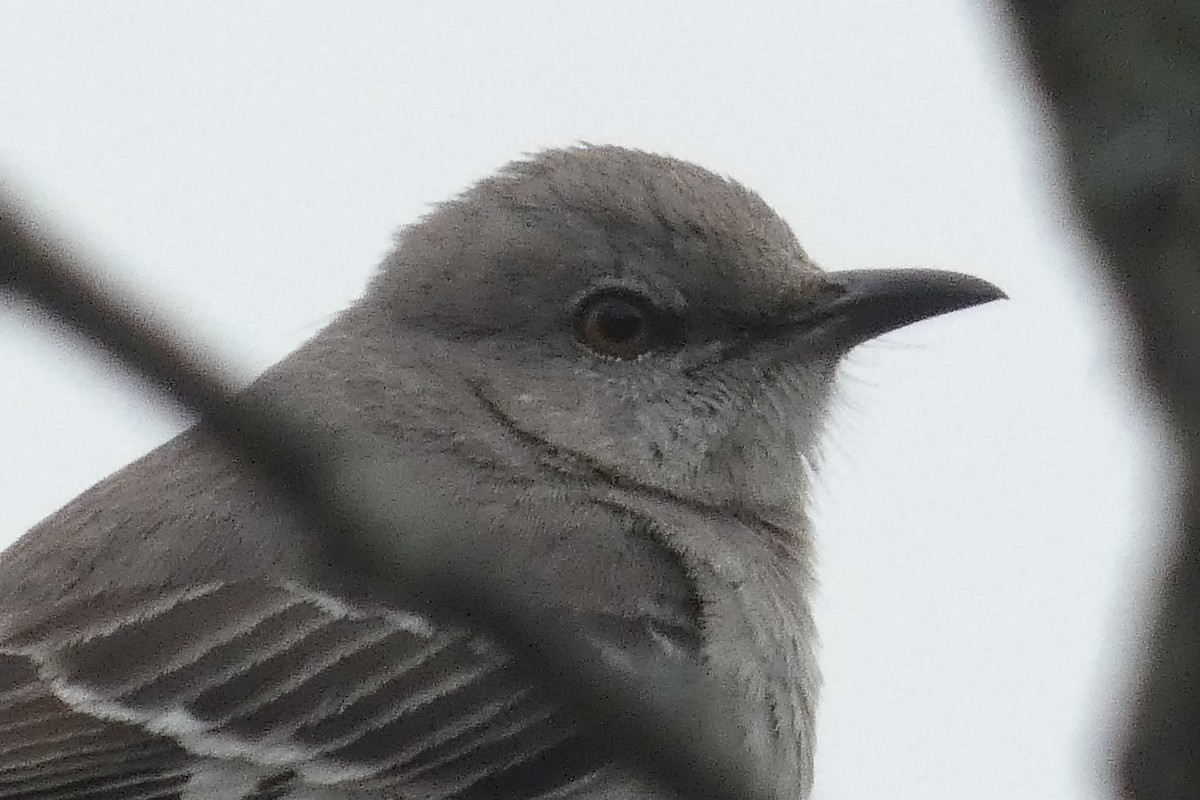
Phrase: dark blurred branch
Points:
(657, 723)
(1123, 80)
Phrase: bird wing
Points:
(254, 690)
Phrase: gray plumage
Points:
(616, 364)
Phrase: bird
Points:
(617, 365)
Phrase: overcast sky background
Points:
(990, 506)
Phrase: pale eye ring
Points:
(617, 324)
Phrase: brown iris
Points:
(616, 324)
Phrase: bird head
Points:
(647, 320)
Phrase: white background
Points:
(995, 484)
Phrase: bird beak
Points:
(862, 304)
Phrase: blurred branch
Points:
(1123, 79)
(658, 723)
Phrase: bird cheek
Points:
(559, 416)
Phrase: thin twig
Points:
(653, 722)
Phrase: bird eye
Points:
(616, 324)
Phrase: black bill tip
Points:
(863, 304)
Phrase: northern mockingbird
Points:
(616, 364)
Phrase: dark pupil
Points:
(618, 321)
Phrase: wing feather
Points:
(256, 690)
